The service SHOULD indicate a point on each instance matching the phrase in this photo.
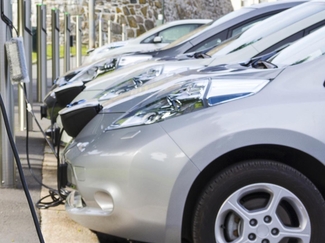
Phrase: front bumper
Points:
(126, 182)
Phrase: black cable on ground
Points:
(20, 169)
(56, 196)
(9, 23)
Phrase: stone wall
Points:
(137, 15)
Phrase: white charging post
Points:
(41, 52)
(55, 44)
(100, 31)
(78, 40)
(109, 29)
(67, 34)
(7, 168)
(24, 30)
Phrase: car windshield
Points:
(268, 27)
(305, 49)
(219, 21)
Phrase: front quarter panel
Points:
(289, 112)
(138, 167)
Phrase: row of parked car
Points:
(215, 137)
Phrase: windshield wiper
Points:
(264, 65)
(254, 62)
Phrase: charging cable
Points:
(6, 20)
(58, 195)
(21, 172)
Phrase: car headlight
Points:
(128, 59)
(131, 82)
(63, 80)
(95, 70)
(187, 97)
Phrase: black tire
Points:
(234, 206)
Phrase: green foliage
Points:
(84, 49)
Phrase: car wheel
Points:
(259, 202)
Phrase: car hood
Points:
(126, 101)
(118, 106)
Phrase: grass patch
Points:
(73, 52)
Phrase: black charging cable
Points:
(9, 23)
(6, 20)
(57, 196)
(20, 170)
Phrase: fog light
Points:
(105, 201)
(74, 200)
(80, 173)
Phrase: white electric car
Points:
(217, 158)
(155, 38)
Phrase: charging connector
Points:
(17, 60)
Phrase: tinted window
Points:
(212, 41)
(246, 26)
(305, 49)
(176, 32)
(238, 29)
(173, 33)
(293, 38)
(283, 43)
(272, 25)
(187, 36)
(219, 21)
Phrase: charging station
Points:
(25, 31)
(55, 44)
(7, 168)
(78, 40)
(41, 53)
(67, 42)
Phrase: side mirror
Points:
(157, 39)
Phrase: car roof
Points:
(266, 4)
(273, 24)
(229, 20)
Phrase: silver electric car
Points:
(153, 39)
(266, 36)
(236, 156)
(67, 87)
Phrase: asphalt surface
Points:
(16, 220)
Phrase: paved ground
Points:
(15, 216)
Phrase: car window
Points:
(246, 26)
(220, 37)
(282, 43)
(271, 25)
(293, 37)
(210, 42)
(173, 33)
(186, 37)
(305, 49)
(216, 22)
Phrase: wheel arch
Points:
(301, 161)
